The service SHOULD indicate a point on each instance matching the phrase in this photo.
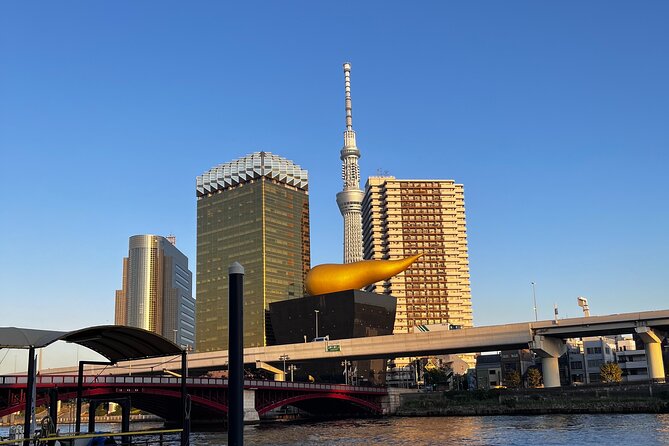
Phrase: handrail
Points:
(161, 380)
(93, 435)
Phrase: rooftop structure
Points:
(248, 168)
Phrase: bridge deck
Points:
(468, 340)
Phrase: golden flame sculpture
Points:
(330, 278)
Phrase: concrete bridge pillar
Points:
(549, 350)
(652, 340)
(392, 402)
(250, 412)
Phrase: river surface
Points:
(609, 430)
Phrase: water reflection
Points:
(614, 430)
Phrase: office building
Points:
(255, 211)
(405, 217)
(156, 292)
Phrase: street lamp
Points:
(316, 311)
(284, 358)
(345, 364)
(292, 368)
(534, 297)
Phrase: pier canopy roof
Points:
(114, 342)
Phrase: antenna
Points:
(347, 88)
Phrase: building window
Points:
(594, 363)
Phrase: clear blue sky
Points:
(554, 115)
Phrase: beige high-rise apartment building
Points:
(405, 217)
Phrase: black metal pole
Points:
(236, 355)
(80, 390)
(92, 407)
(30, 388)
(53, 411)
(126, 406)
(80, 393)
(185, 409)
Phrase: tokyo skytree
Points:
(349, 200)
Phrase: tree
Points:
(512, 379)
(611, 373)
(533, 377)
(437, 376)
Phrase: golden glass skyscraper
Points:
(255, 211)
(405, 217)
(156, 293)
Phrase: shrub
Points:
(611, 373)
(512, 379)
(533, 377)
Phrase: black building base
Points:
(340, 315)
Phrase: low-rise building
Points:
(633, 365)
(516, 361)
(598, 351)
(488, 371)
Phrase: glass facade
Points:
(156, 294)
(262, 223)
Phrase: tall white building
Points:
(349, 199)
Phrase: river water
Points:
(609, 430)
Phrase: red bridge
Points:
(209, 396)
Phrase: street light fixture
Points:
(346, 364)
(534, 297)
(284, 358)
(292, 368)
(316, 311)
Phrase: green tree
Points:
(611, 373)
(436, 376)
(533, 377)
(512, 379)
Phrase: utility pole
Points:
(534, 297)
(316, 312)
(284, 358)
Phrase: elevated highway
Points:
(546, 338)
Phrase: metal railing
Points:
(161, 437)
(162, 380)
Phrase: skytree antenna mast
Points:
(349, 200)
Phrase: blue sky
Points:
(552, 114)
